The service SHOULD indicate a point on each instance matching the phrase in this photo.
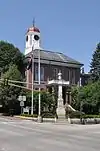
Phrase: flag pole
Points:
(39, 79)
(32, 81)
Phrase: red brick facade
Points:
(50, 72)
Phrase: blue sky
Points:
(68, 26)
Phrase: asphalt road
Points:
(21, 135)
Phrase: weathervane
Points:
(33, 22)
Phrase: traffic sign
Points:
(24, 98)
(20, 98)
(21, 103)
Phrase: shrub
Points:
(44, 115)
(48, 115)
(91, 116)
(73, 114)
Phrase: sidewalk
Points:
(17, 117)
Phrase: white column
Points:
(60, 99)
(60, 106)
(60, 91)
(80, 82)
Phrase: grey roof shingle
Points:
(54, 56)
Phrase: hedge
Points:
(29, 115)
(44, 115)
(71, 115)
(91, 116)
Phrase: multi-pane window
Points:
(36, 73)
(73, 76)
(67, 75)
(36, 76)
(42, 74)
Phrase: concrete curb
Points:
(70, 120)
(85, 121)
(36, 119)
(23, 117)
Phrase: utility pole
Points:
(39, 81)
(32, 80)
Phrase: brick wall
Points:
(50, 71)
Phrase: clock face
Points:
(36, 37)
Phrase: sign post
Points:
(22, 99)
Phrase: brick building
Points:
(50, 62)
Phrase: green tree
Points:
(9, 55)
(9, 94)
(75, 101)
(87, 98)
(47, 101)
(95, 64)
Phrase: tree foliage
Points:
(10, 55)
(95, 64)
(9, 94)
(13, 73)
(47, 101)
(75, 100)
(12, 68)
(87, 98)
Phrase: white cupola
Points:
(32, 39)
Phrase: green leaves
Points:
(9, 93)
(5, 82)
(47, 101)
(89, 96)
(10, 55)
(95, 64)
(13, 73)
(11, 68)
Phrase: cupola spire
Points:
(33, 22)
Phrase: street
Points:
(25, 135)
